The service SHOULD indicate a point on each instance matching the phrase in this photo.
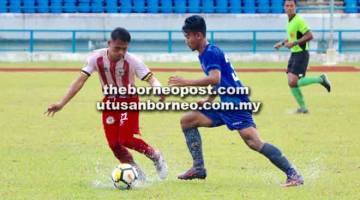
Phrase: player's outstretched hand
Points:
(52, 109)
(177, 81)
(278, 45)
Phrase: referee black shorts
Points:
(298, 63)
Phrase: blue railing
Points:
(251, 41)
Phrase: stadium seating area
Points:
(152, 6)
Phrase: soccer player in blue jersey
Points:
(219, 73)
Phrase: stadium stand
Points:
(180, 6)
(43, 6)
(70, 7)
(350, 6)
(264, 6)
(125, 6)
(97, 6)
(276, 6)
(194, 6)
(56, 6)
(14, 6)
(222, 6)
(235, 6)
(249, 6)
(139, 6)
(153, 6)
(3, 6)
(166, 6)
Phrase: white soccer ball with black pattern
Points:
(124, 175)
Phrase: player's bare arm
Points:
(154, 82)
(280, 44)
(307, 37)
(73, 90)
(212, 79)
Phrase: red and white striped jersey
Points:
(120, 73)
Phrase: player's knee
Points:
(292, 80)
(252, 141)
(114, 146)
(292, 83)
(183, 122)
(188, 121)
(124, 142)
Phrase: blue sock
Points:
(193, 141)
(275, 156)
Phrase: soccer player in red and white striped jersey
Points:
(117, 67)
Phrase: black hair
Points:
(194, 23)
(120, 33)
(295, 1)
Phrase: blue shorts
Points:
(234, 119)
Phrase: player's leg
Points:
(124, 156)
(189, 124)
(111, 129)
(322, 79)
(156, 156)
(297, 68)
(309, 80)
(129, 126)
(195, 119)
(302, 62)
(296, 92)
(251, 137)
(111, 124)
(140, 146)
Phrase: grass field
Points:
(75, 64)
(66, 157)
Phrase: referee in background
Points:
(298, 37)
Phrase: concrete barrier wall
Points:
(167, 22)
(164, 22)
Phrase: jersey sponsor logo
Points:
(123, 118)
(121, 71)
(227, 60)
(110, 120)
(292, 35)
(237, 123)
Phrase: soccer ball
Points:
(123, 176)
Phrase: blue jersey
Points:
(213, 58)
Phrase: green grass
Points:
(66, 157)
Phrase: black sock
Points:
(275, 156)
(193, 141)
